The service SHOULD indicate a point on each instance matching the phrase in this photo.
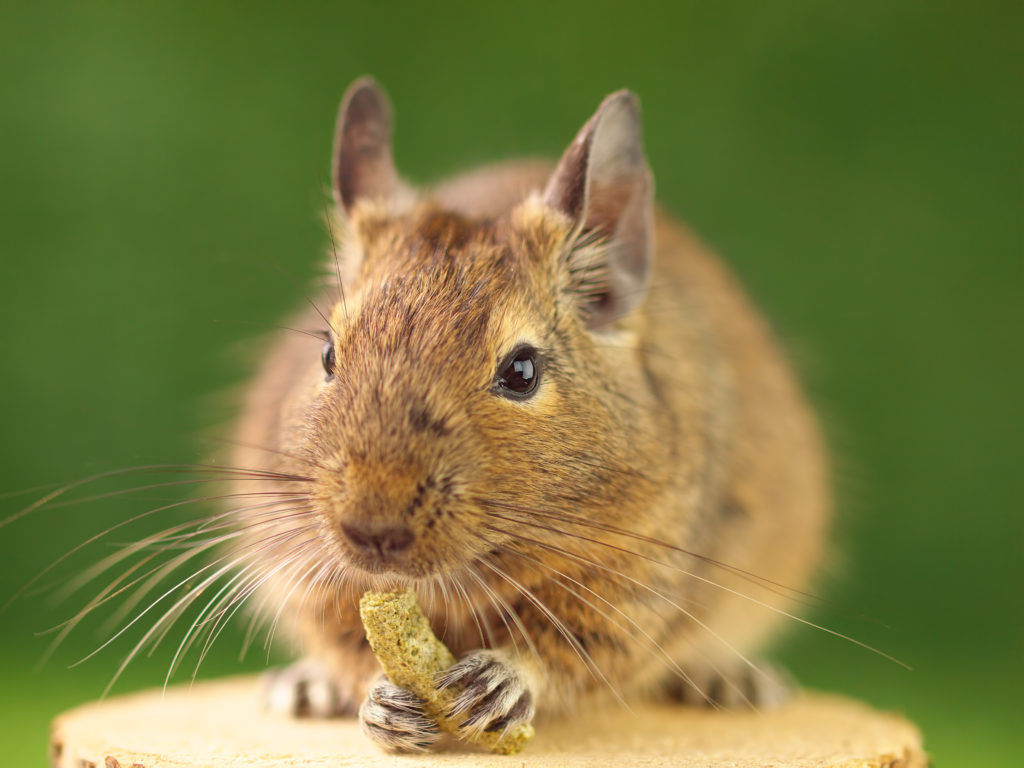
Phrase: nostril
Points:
(358, 537)
(389, 540)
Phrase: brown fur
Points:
(680, 421)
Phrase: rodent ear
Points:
(604, 185)
(362, 166)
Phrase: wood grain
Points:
(221, 724)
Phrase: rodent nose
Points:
(388, 540)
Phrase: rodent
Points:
(545, 405)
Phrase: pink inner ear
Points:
(567, 188)
(602, 182)
(606, 203)
(363, 166)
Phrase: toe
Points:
(761, 686)
(394, 719)
(493, 694)
(304, 689)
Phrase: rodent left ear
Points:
(363, 166)
(604, 185)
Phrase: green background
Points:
(859, 164)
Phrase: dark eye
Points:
(518, 374)
(327, 358)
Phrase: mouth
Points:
(403, 566)
(382, 566)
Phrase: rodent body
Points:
(596, 536)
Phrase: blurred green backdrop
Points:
(859, 164)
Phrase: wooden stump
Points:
(220, 724)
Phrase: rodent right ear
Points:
(603, 184)
(363, 166)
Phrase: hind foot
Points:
(395, 720)
(305, 689)
(766, 686)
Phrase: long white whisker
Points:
(502, 608)
(711, 583)
(182, 602)
(589, 562)
(655, 645)
(557, 623)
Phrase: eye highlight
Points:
(327, 358)
(518, 374)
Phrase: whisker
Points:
(240, 600)
(187, 598)
(592, 563)
(272, 516)
(319, 564)
(560, 627)
(268, 327)
(337, 260)
(673, 665)
(183, 502)
(710, 582)
(460, 588)
(266, 449)
(761, 581)
(306, 297)
(26, 491)
(174, 612)
(189, 636)
(258, 616)
(141, 469)
(142, 515)
(504, 609)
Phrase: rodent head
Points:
(477, 370)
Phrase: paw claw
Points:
(494, 695)
(522, 711)
(394, 718)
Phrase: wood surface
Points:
(221, 724)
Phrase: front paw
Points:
(395, 720)
(492, 693)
